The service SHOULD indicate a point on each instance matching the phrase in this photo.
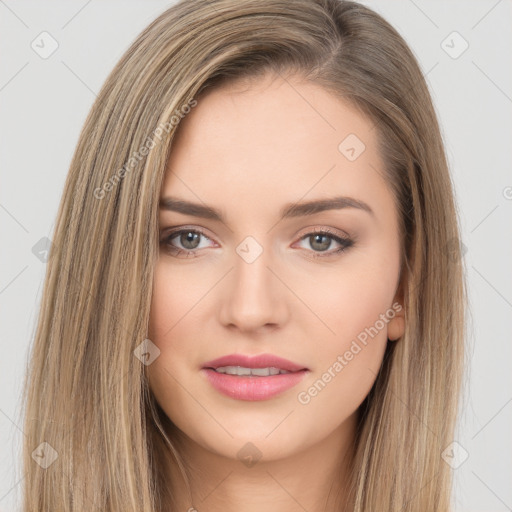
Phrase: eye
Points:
(188, 240)
(322, 239)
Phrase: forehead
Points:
(273, 140)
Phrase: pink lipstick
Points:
(253, 378)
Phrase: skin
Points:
(248, 150)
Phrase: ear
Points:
(396, 325)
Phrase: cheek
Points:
(169, 306)
(351, 304)
(176, 327)
(346, 363)
(355, 308)
(359, 336)
(175, 295)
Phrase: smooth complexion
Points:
(249, 152)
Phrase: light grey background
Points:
(44, 103)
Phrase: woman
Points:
(255, 294)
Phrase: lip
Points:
(259, 361)
(252, 388)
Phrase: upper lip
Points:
(259, 361)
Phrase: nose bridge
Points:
(252, 297)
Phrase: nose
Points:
(253, 298)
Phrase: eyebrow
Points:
(291, 210)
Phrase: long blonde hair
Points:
(86, 394)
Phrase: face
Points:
(264, 275)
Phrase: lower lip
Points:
(253, 388)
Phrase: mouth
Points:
(253, 378)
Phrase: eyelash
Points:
(345, 243)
